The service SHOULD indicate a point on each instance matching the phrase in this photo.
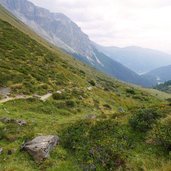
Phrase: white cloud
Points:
(145, 23)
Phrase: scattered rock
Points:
(9, 120)
(1, 150)
(21, 122)
(40, 146)
(121, 110)
(59, 92)
(89, 88)
(5, 91)
(81, 97)
(90, 116)
(90, 167)
(6, 120)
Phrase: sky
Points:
(145, 23)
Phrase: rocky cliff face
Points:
(55, 27)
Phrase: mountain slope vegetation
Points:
(103, 124)
(59, 30)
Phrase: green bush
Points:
(92, 82)
(70, 103)
(144, 119)
(130, 91)
(102, 143)
(162, 133)
(57, 96)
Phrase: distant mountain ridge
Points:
(140, 60)
(61, 31)
(160, 75)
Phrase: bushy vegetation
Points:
(161, 133)
(144, 119)
(92, 142)
(106, 144)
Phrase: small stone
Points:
(59, 92)
(90, 116)
(89, 88)
(21, 122)
(121, 110)
(6, 120)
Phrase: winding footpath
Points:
(42, 98)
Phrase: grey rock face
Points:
(40, 146)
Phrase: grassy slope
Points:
(24, 61)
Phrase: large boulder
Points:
(40, 146)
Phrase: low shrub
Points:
(161, 133)
(92, 82)
(130, 91)
(102, 143)
(144, 119)
(70, 103)
(57, 96)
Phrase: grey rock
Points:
(59, 92)
(121, 110)
(89, 88)
(90, 116)
(40, 146)
(21, 122)
(7, 120)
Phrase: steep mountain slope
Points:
(160, 75)
(61, 31)
(96, 117)
(140, 60)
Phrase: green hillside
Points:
(103, 124)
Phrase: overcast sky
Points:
(145, 23)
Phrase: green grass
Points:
(29, 65)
